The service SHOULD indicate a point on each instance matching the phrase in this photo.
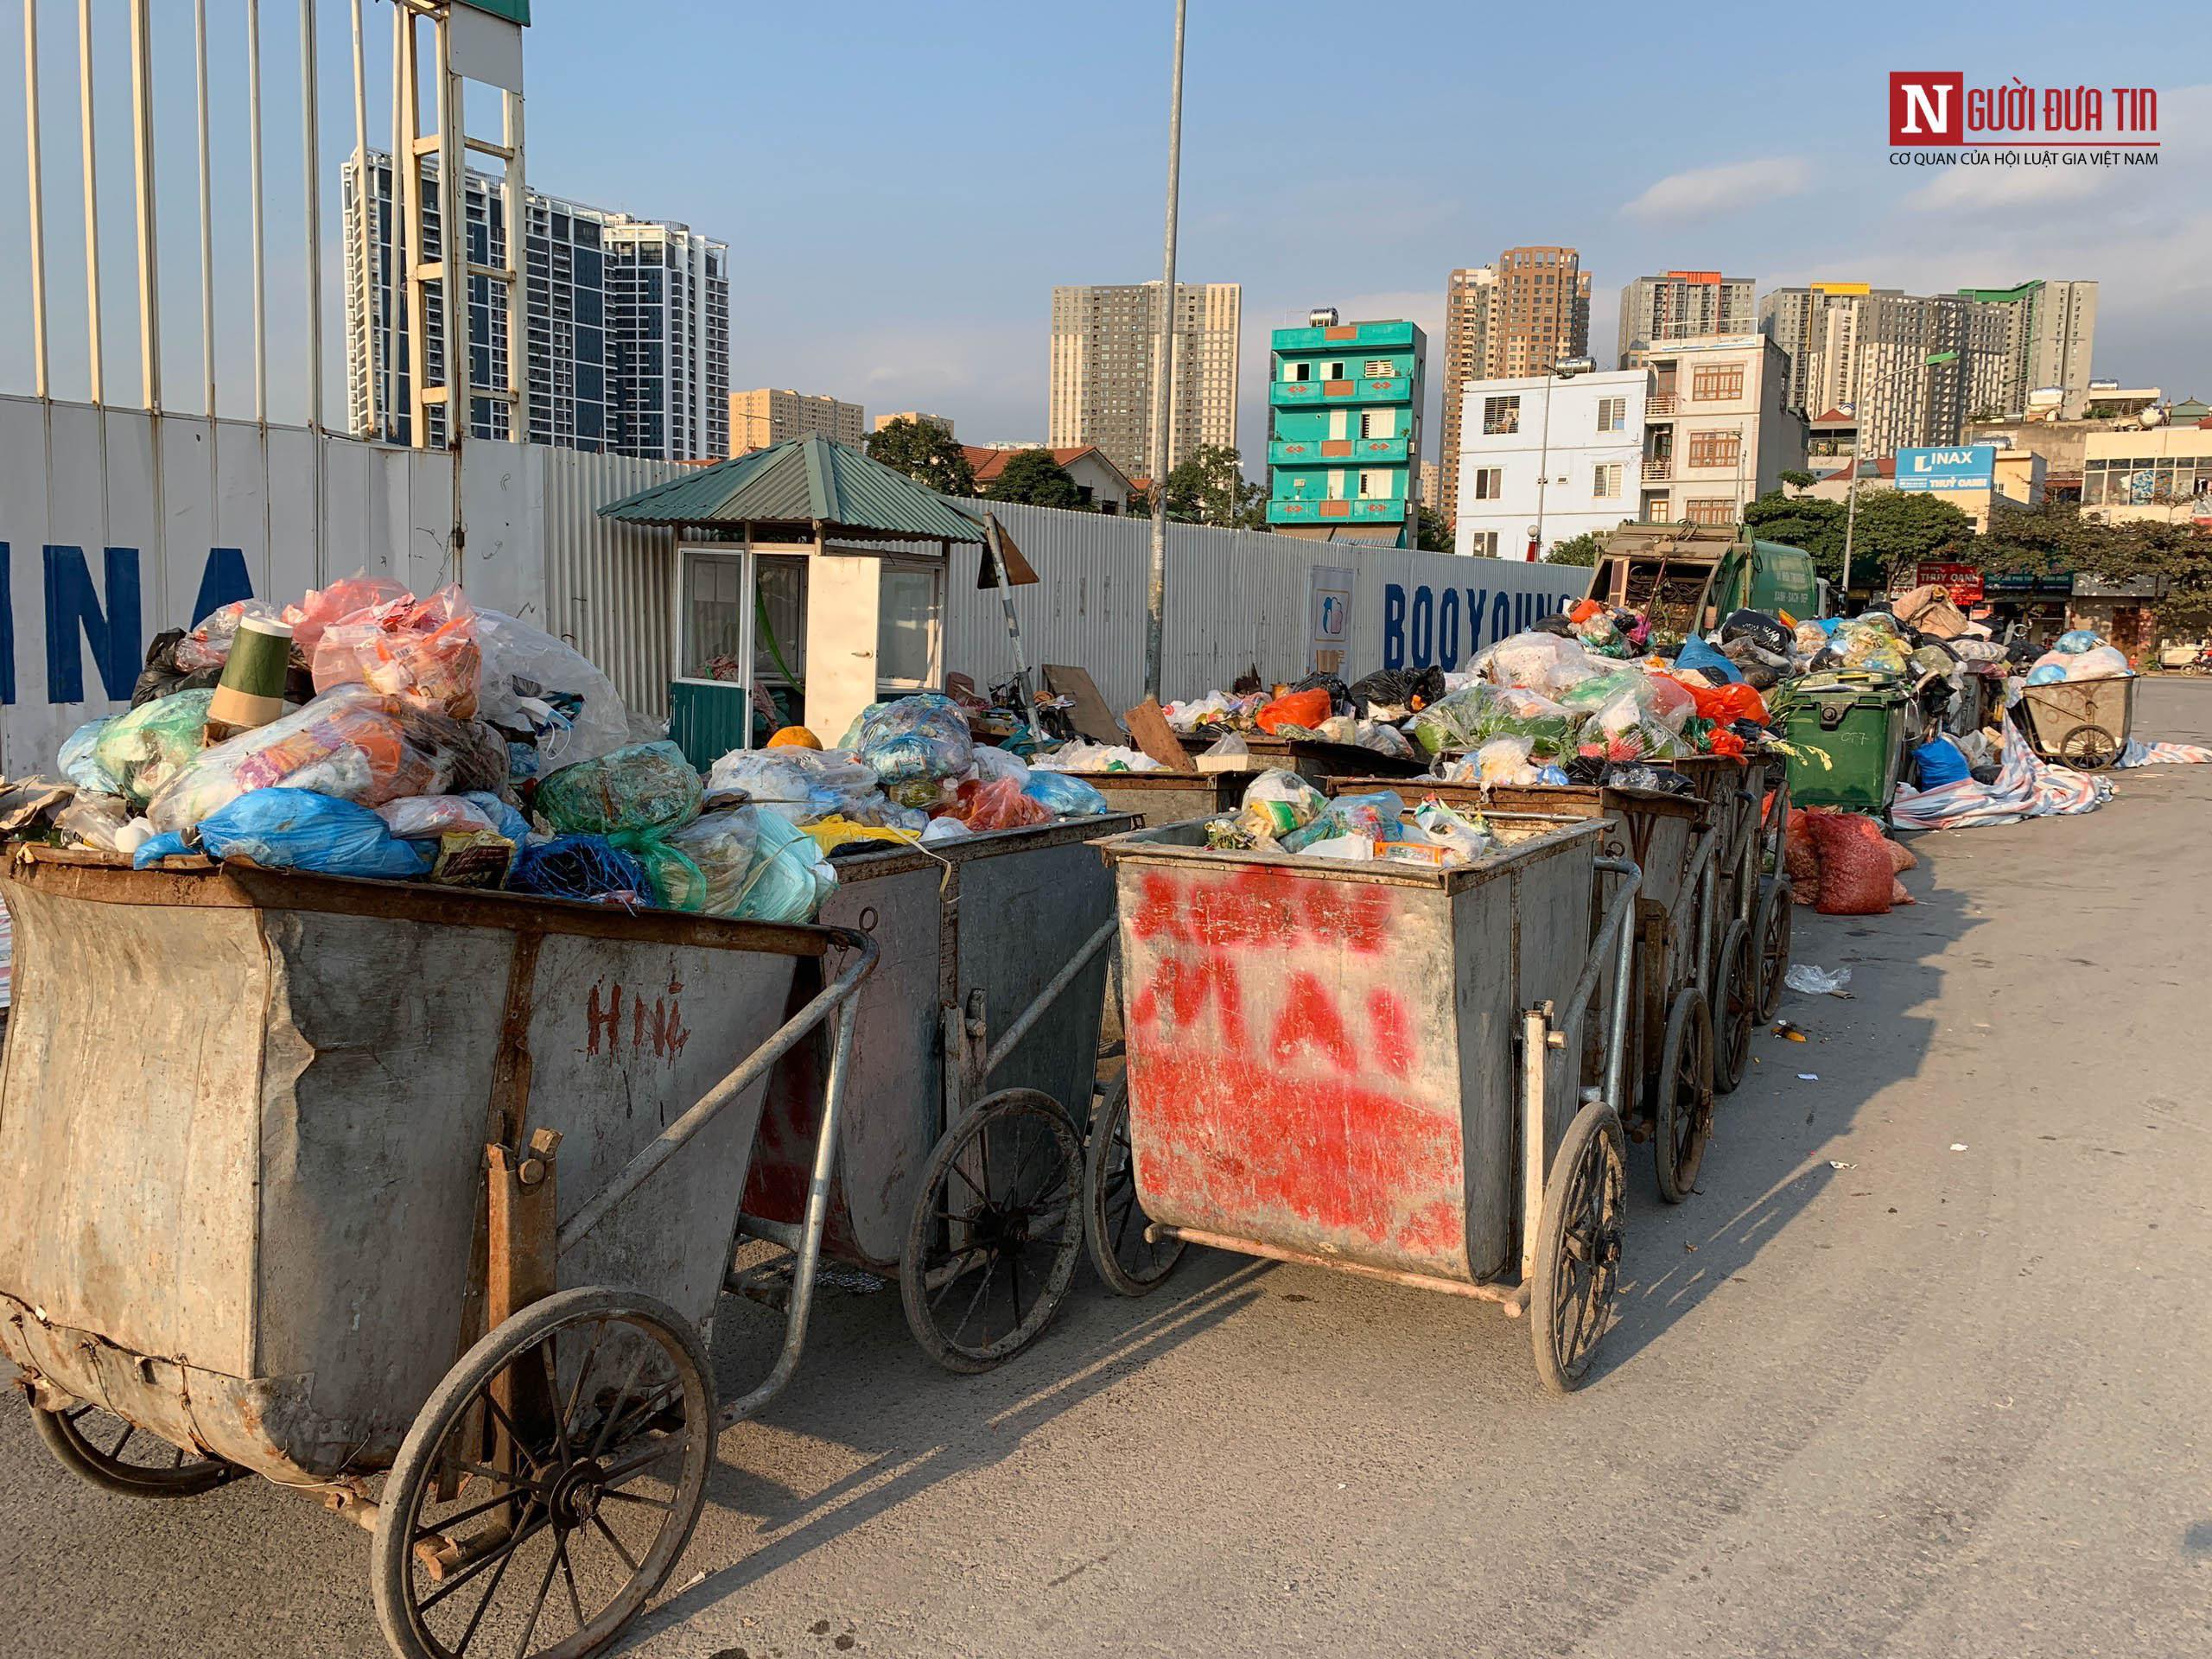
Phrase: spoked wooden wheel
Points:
(1579, 1246)
(103, 1450)
(1113, 1220)
(1735, 1004)
(995, 1233)
(1771, 928)
(2089, 749)
(1682, 1097)
(574, 1440)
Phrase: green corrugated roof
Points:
(802, 482)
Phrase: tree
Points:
(925, 453)
(2053, 539)
(1797, 478)
(1211, 488)
(1031, 475)
(1894, 527)
(1577, 550)
(1431, 533)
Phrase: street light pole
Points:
(1163, 381)
(1543, 469)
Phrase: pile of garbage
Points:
(1320, 708)
(371, 732)
(2080, 654)
(1282, 812)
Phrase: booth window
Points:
(905, 639)
(713, 614)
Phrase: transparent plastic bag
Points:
(1383, 738)
(424, 651)
(1504, 760)
(95, 820)
(426, 818)
(993, 764)
(1636, 739)
(1277, 802)
(144, 749)
(1081, 756)
(209, 644)
(299, 829)
(79, 763)
(1537, 661)
(2075, 641)
(351, 744)
(549, 702)
(1468, 837)
(2099, 663)
(913, 745)
(636, 789)
(1065, 795)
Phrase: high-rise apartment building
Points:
(1104, 346)
(768, 414)
(1344, 430)
(942, 422)
(1520, 316)
(1685, 305)
(2049, 331)
(1912, 369)
(628, 330)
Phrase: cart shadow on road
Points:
(866, 1387)
(1768, 1156)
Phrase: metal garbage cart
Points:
(2084, 724)
(1673, 842)
(1378, 1068)
(315, 1178)
(1749, 797)
(960, 1156)
(1169, 797)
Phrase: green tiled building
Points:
(1344, 430)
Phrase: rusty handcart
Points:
(1673, 841)
(394, 1186)
(959, 1164)
(2084, 724)
(1378, 1068)
(1750, 799)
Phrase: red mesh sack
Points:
(998, 805)
(1800, 861)
(1855, 874)
(1898, 895)
(1901, 860)
(1307, 709)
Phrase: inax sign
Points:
(1974, 468)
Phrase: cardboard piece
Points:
(1018, 571)
(1155, 736)
(1090, 716)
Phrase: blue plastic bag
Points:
(161, 847)
(1067, 795)
(2048, 674)
(1940, 763)
(1696, 654)
(81, 766)
(2075, 641)
(299, 829)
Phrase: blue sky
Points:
(902, 185)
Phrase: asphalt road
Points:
(1921, 1370)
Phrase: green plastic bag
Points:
(644, 789)
(144, 749)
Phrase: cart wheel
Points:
(2089, 749)
(1114, 1221)
(1770, 927)
(103, 1450)
(583, 1429)
(989, 1258)
(1578, 1246)
(1736, 1002)
(1682, 1095)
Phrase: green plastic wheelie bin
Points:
(1848, 727)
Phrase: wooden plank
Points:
(1090, 716)
(1155, 736)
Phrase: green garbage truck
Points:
(1691, 576)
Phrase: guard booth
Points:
(809, 583)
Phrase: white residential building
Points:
(1718, 431)
(1564, 453)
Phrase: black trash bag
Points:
(1340, 701)
(1584, 768)
(2022, 650)
(1555, 623)
(1410, 689)
(1762, 630)
(161, 677)
(1983, 775)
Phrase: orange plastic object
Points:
(1307, 709)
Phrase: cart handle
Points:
(749, 1072)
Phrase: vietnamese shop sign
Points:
(1974, 468)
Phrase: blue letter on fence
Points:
(72, 604)
(1394, 625)
(224, 580)
(6, 627)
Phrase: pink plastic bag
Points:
(421, 651)
(999, 805)
(343, 598)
